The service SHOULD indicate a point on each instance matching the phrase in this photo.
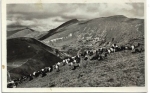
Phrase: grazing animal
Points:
(16, 82)
(94, 51)
(63, 62)
(132, 47)
(24, 78)
(43, 73)
(73, 57)
(87, 52)
(99, 58)
(48, 69)
(102, 56)
(122, 47)
(66, 61)
(109, 51)
(76, 65)
(58, 63)
(70, 60)
(137, 50)
(11, 84)
(20, 80)
(95, 57)
(100, 50)
(77, 58)
(86, 57)
(126, 47)
(72, 67)
(90, 53)
(82, 55)
(104, 49)
(118, 48)
(34, 73)
(30, 77)
(74, 61)
(42, 70)
(57, 68)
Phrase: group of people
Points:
(74, 62)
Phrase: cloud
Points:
(49, 16)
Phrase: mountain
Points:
(11, 31)
(53, 31)
(25, 55)
(97, 32)
(20, 32)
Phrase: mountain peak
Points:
(67, 23)
(74, 20)
(118, 16)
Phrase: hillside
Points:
(54, 31)
(98, 32)
(25, 55)
(119, 69)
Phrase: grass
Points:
(118, 70)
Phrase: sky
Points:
(43, 17)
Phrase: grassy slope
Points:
(119, 69)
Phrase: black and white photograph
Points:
(58, 45)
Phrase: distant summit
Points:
(19, 32)
(117, 16)
(68, 23)
(53, 31)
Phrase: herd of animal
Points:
(74, 62)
